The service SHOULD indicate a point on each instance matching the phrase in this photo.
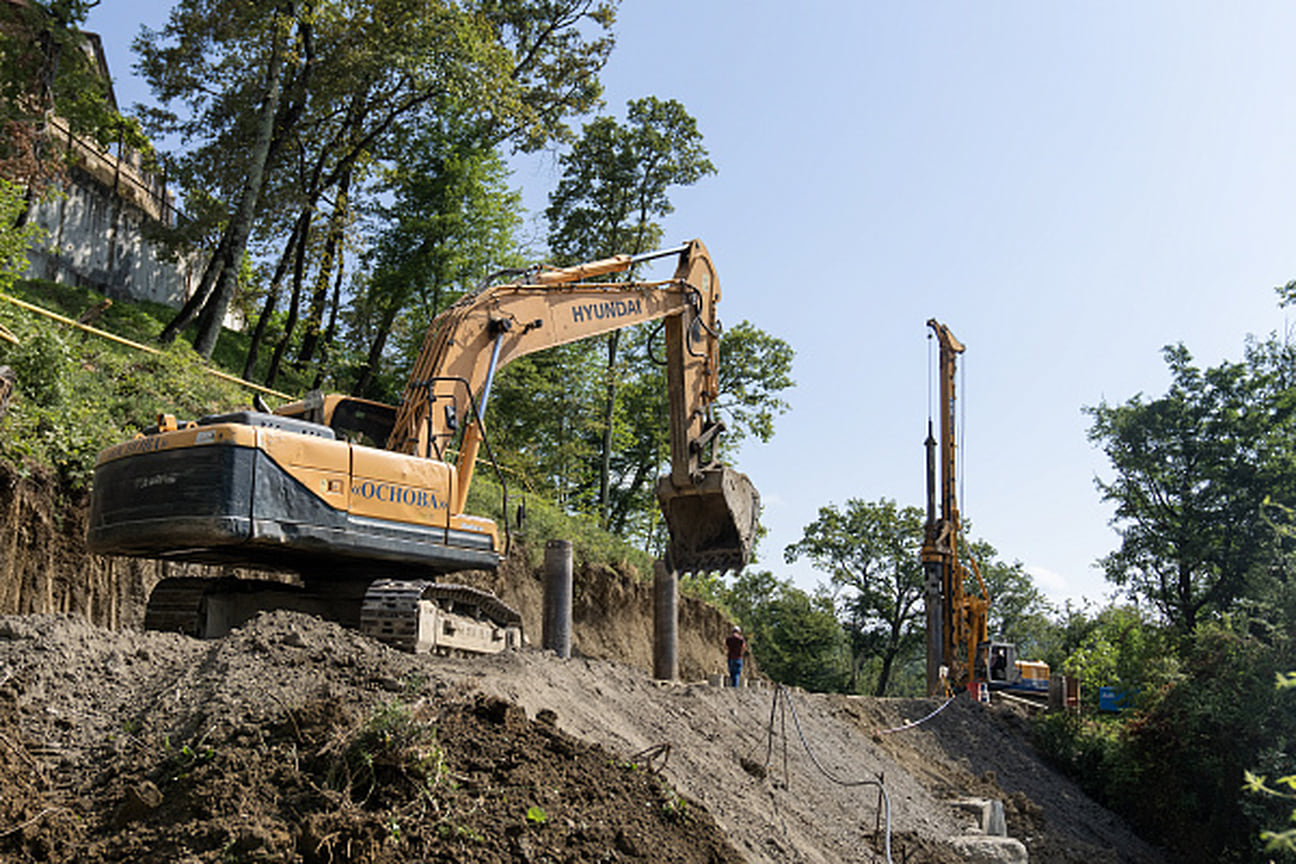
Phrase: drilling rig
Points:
(956, 617)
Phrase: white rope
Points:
(941, 708)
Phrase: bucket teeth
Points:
(712, 523)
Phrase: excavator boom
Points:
(710, 509)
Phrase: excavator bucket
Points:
(712, 523)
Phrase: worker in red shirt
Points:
(736, 647)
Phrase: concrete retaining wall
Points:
(95, 239)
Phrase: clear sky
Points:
(1069, 187)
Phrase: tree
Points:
(794, 636)
(870, 552)
(452, 219)
(755, 367)
(1286, 294)
(14, 239)
(1191, 471)
(339, 80)
(535, 420)
(1282, 789)
(1125, 650)
(45, 72)
(615, 185)
(1186, 761)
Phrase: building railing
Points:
(123, 173)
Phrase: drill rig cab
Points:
(344, 491)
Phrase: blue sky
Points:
(1069, 187)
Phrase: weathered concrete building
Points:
(96, 227)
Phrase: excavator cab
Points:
(712, 522)
(359, 421)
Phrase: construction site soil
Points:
(293, 739)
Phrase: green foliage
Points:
(281, 105)
(709, 588)
(536, 815)
(1191, 470)
(617, 179)
(755, 368)
(794, 636)
(452, 219)
(1204, 486)
(1123, 649)
(397, 744)
(870, 552)
(14, 240)
(1092, 749)
(546, 521)
(1226, 715)
(77, 394)
(1283, 789)
(1286, 294)
(675, 809)
(447, 831)
(1175, 765)
(532, 417)
(47, 70)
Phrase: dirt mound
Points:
(295, 740)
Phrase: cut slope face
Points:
(295, 740)
(44, 567)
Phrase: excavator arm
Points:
(710, 510)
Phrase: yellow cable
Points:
(137, 346)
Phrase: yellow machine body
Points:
(271, 491)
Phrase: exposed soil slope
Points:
(295, 740)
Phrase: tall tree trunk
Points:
(198, 300)
(330, 332)
(331, 258)
(618, 522)
(376, 347)
(609, 414)
(294, 306)
(213, 314)
(884, 676)
(272, 297)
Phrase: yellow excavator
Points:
(363, 500)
